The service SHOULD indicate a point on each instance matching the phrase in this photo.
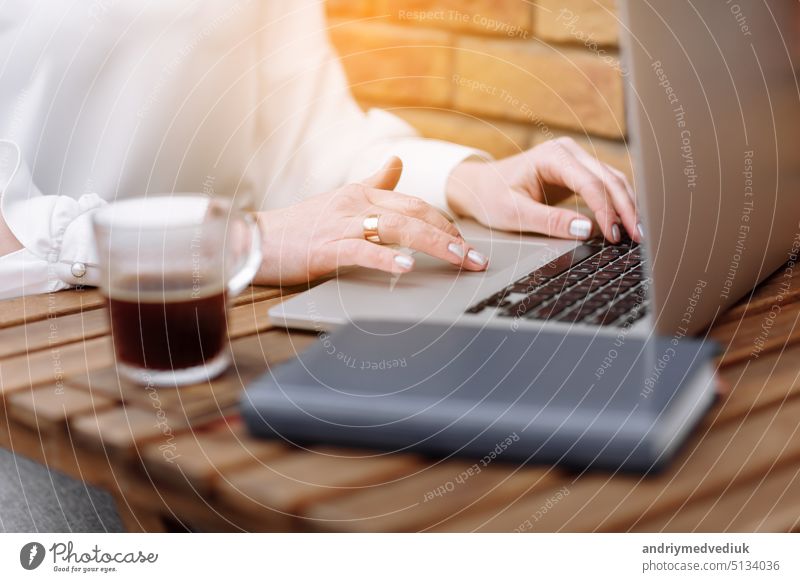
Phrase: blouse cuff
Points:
(55, 229)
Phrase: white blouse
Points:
(106, 99)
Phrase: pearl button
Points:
(78, 270)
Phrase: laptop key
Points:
(522, 287)
(605, 275)
(543, 312)
(549, 291)
(616, 267)
(607, 294)
(584, 288)
(623, 284)
(498, 300)
(596, 303)
(564, 262)
(606, 318)
(522, 307)
(571, 316)
(613, 252)
(597, 283)
(572, 296)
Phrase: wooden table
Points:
(180, 459)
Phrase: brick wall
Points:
(502, 75)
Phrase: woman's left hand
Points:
(517, 193)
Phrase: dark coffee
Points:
(158, 328)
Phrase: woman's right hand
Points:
(324, 233)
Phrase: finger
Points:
(411, 232)
(552, 220)
(622, 176)
(360, 253)
(614, 182)
(387, 177)
(413, 207)
(564, 169)
(632, 195)
(623, 204)
(625, 201)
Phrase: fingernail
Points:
(456, 249)
(615, 234)
(580, 228)
(641, 230)
(404, 262)
(477, 258)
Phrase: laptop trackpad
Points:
(502, 255)
(507, 260)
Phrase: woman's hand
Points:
(315, 237)
(516, 193)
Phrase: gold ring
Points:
(370, 226)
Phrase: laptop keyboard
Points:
(595, 284)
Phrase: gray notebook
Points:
(490, 394)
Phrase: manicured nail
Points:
(456, 249)
(477, 258)
(641, 230)
(615, 234)
(580, 228)
(404, 262)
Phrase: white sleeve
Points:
(55, 231)
(336, 142)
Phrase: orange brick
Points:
(499, 138)
(349, 7)
(585, 22)
(395, 63)
(510, 18)
(567, 88)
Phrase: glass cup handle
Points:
(244, 276)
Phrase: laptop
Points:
(713, 105)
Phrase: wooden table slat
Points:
(771, 504)
(37, 307)
(713, 460)
(195, 460)
(273, 347)
(120, 432)
(428, 497)
(757, 384)
(54, 331)
(188, 401)
(260, 293)
(53, 365)
(49, 407)
(772, 330)
(243, 320)
(764, 297)
(289, 483)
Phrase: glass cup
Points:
(170, 265)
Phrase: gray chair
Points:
(34, 499)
